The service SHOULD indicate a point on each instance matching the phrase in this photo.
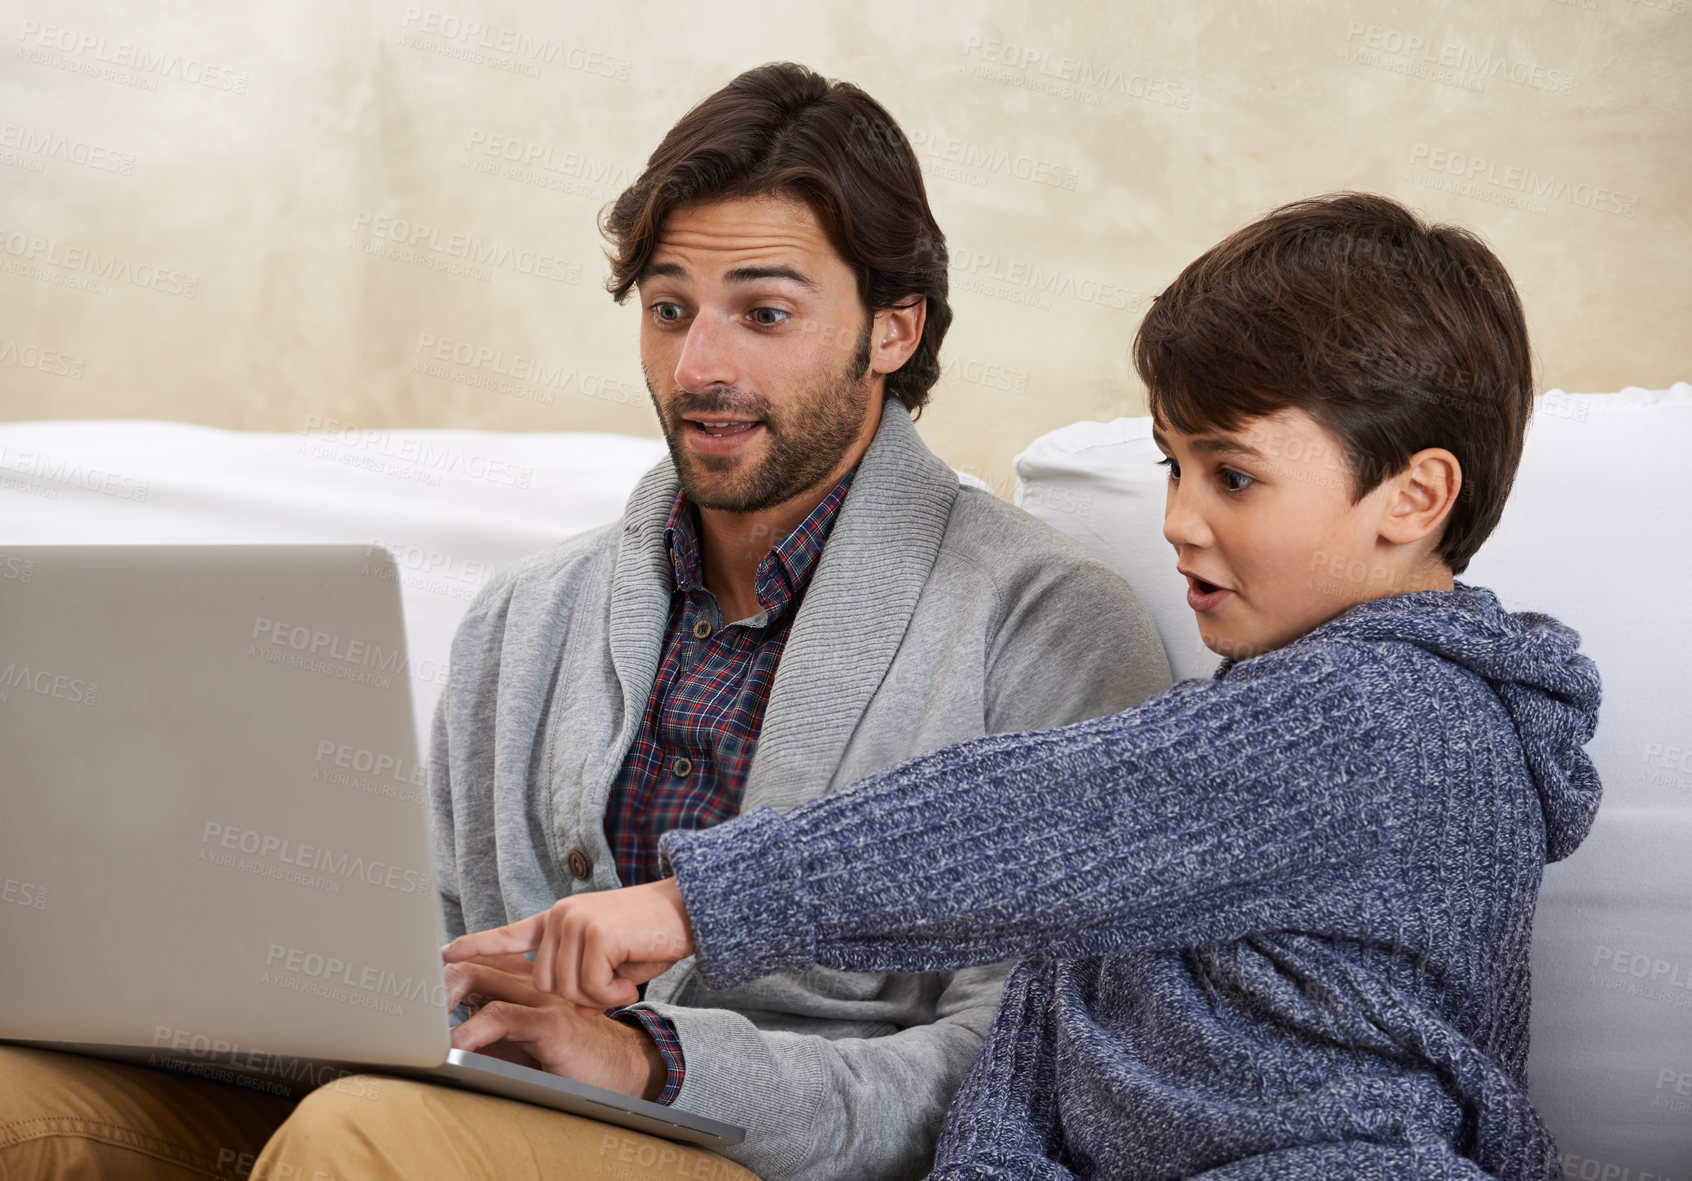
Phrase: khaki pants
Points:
(65, 1116)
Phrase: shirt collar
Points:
(784, 571)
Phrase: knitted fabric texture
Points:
(1275, 924)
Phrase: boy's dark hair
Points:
(1394, 334)
(782, 129)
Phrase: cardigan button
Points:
(579, 867)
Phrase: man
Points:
(801, 595)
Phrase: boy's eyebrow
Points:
(1213, 445)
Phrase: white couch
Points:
(1598, 533)
(452, 506)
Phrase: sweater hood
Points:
(1532, 662)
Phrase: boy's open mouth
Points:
(1202, 594)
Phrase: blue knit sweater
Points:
(1272, 925)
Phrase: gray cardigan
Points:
(935, 614)
(1277, 925)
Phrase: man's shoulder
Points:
(559, 567)
(1013, 548)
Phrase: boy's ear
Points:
(1423, 496)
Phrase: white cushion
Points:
(1598, 533)
(452, 506)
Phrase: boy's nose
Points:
(1184, 525)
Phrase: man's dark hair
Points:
(784, 130)
(1394, 334)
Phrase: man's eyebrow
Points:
(757, 274)
(753, 274)
(1213, 445)
(667, 270)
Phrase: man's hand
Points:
(512, 1019)
(593, 949)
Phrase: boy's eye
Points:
(769, 317)
(1168, 461)
(1234, 481)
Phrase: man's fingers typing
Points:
(517, 937)
(496, 1021)
(478, 983)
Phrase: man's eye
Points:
(769, 317)
(1168, 461)
(1234, 481)
(666, 313)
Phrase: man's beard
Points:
(805, 444)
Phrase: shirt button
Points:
(701, 629)
(579, 867)
(683, 767)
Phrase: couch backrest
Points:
(1598, 533)
(452, 506)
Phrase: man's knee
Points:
(337, 1131)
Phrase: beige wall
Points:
(207, 212)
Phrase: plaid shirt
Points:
(689, 762)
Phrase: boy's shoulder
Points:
(1399, 652)
(1454, 668)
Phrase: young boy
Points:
(1275, 924)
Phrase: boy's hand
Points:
(593, 949)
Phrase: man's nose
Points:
(1183, 519)
(707, 357)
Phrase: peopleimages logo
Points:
(319, 643)
(48, 684)
(1042, 283)
(37, 250)
(48, 145)
(1068, 77)
(468, 252)
(575, 165)
(281, 851)
(145, 63)
(1464, 168)
(17, 569)
(332, 970)
(422, 454)
(41, 360)
(475, 35)
(1452, 61)
(369, 762)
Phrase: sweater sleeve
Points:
(1206, 812)
(454, 782)
(441, 826)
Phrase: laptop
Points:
(214, 851)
